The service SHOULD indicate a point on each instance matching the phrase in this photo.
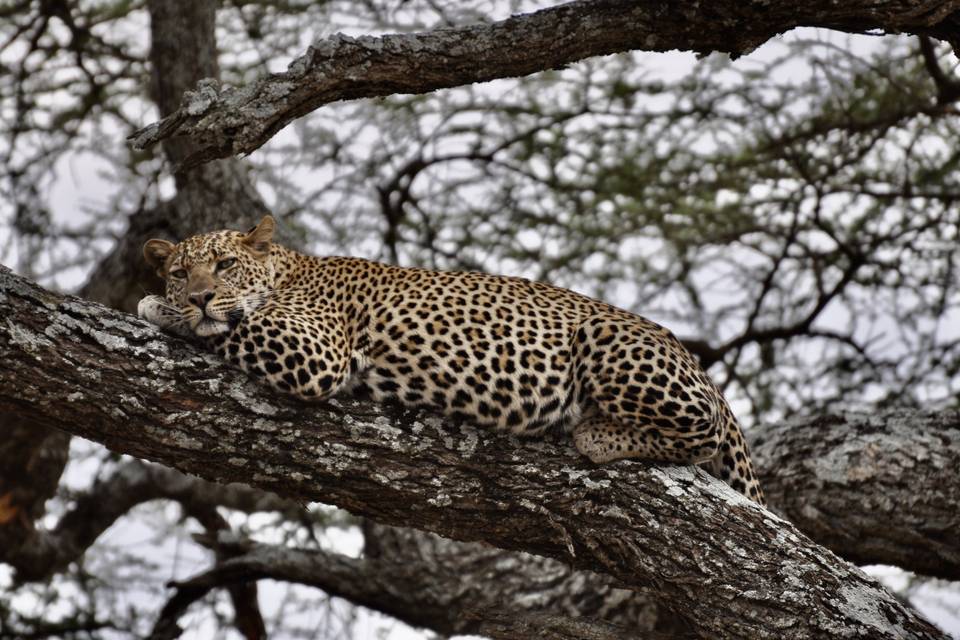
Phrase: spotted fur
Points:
(500, 352)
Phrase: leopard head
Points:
(214, 279)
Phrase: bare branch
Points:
(948, 89)
(243, 593)
(39, 553)
(221, 123)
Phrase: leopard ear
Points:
(156, 252)
(259, 238)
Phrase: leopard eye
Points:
(226, 264)
(179, 274)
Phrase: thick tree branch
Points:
(887, 483)
(731, 568)
(873, 490)
(221, 123)
(452, 580)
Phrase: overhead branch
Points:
(729, 567)
(948, 88)
(224, 122)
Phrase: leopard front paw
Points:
(152, 309)
(156, 310)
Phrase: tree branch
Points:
(444, 600)
(243, 593)
(728, 566)
(38, 554)
(872, 490)
(221, 123)
(948, 89)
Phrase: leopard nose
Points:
(200, 298)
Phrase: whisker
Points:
(179, 322)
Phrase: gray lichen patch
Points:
(675, 479)
(198, 102)
(265, 426)
(468, 444)
(394, 475)
(236, 391)
(176, 417)
(342, 450)
(135, 328)
(617, 513)
(70, 325)
(271, 93)
(131, 401)
(109, 341)
(331, 46)
(729, 495)
(440, 500)
(27, 340)
(861, 603)
(213, 384)
(783, 530)
(582, 476)
(385, 426)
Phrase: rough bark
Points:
(729, 567)
(874, 489)
(452, 582)
(221, 123)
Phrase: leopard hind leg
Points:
(604, 440)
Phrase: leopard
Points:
(500, 352)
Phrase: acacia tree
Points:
(724, 172)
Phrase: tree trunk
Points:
(730, 568)
(216, 196)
